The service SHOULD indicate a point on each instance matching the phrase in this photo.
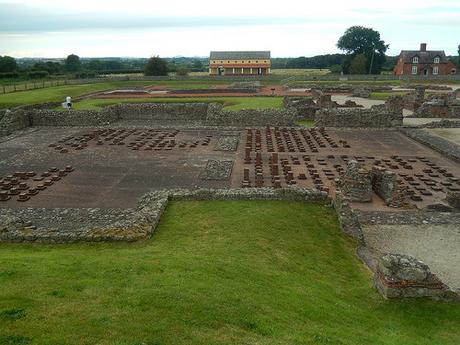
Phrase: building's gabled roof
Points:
(240, 55)
(424, 57)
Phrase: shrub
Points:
(182, 71)
(9, 75)
(38, 74)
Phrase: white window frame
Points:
(414, 69)
(415, 59)
(435, 70)
(437, 59)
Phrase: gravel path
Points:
(436, 245)
(365, 102)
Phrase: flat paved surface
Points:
(451, 134)
(129, 162)
(436, 245)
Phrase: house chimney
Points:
(423, 47)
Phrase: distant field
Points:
(230, 103)
(383, 96)
(215, 272)
(300, 71)
(58, 93)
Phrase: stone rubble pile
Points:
(403, 276)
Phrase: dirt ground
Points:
(436, 245)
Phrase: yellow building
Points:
(239, 63)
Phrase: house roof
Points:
(240, 55)
(426, 57)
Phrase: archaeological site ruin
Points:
(84, 175)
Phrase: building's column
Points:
(269, 72)
(242, 70)
(260, 70)
(210, 70)
(250, 70)
(233, 72)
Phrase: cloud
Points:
(184, 27)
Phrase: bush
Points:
(85, 74)
(335, 69)
(38, 74)
(182, 71)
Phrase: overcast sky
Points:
(142, 28)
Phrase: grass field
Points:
(306, 123)
(383, 96)
(58, 93)
(300, 71)
(230, 103)
(229, 272)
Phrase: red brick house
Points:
(424, 62)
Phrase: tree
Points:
(72, 63)
(335, 69)
(458, 56)
(360, 40)
(197, 64)
(156, 66)
(358, 64)
(7, 64)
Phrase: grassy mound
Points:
(230, 272)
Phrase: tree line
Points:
(364, 52)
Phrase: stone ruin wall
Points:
(403, 276)
(211, 114)
(386, 115)
(440, 105)
(386, 185)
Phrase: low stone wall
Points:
(182, 112)
(211, 114)
(348, 220)
(441, 124)
(217, 116)
(403, 276)
(357, 118)
(443, 146)
(93, 224)
(72, 117)
(11, 121)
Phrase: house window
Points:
(435, 70)
(415, 59)
(414, 69)
(436, 59)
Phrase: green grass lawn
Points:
(230, 103)
(228, 272)
(383, 96)
(58, 93)
(306, 123)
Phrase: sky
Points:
(144, 28)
